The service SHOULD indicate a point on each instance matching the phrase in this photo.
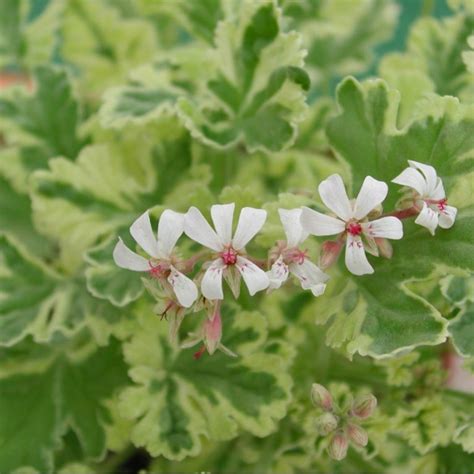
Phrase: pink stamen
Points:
(442, 204)
(155, 271)
(354, 228)
(229, 256)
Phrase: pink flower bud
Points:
(364, 406)
(385, 247)
(321, 397)
(338, 446)
(357, 434)
(326, 423)
(213, 332)
(329, 253)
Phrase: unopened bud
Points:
(385, 247)
(364, 406)
(357, 434)
(321, 397)
(338, 446)
(326, 423)
(329, 253)
(213, 332)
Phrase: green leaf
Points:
(176, 400)
(38, 408)
(257, 95)
(461, 329)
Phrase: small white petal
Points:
(291, 221)
(429, 173)
(438, 192)
(371, 194)
(412, 178)
(255, 278)
(125, 258)
(184, 288)
(278, 274)
(319, 224)
(386, 227)
(222, 216)
(211, 285)
(447, 217)
(198, 229)
(356, 260)
(170, 229)
(250, 222)
(310, 276)
(428, 218)
(333, 194)
(142, 233)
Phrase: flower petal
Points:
(222, 216)
(142, 233)
(255, 278)
(291, 221)
(438, 192)
(356, 260)
(184, 288)
(211, 285)
(170, 229)
(333, 194)
(250, 222)
(278, 274)
(197, 228)
(371, 194)
(125, 258)
(386, 227)
(428, 218)
(310, 276)
(413, 179)
(429, 173)
(319, 224)
(447, 217)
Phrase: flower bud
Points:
(338, 446)
(321, 397)
(364, 406)
(385, 247)
(326, 423)
(213, 332)
(329, 253)
(357, 434)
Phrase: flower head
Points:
(429, 196)
(289, 258)
(352, 223)
(161, 263)
(229, 260)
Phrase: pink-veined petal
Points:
(333, 194)
(170, 229)
(428, 218)
(251, 220)
(430, 174)
(412, 178)
(184, 288)
(291, 221)
(211, 285)
(310, 276)
(371, 194)
(278, 274)
(125, 258)
(198, 229)
(255, 278)
(447, 217)
(386, 227)
(356, 260)
(222, 216)
(143, 234)
(316, 223)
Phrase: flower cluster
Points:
(359, 225)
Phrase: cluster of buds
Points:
(342, 423)
(358, 224)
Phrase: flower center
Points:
(296, 255)
(354, 228)
(156, 271)
(442, 204)
(229, 256)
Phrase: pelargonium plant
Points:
(215, 259)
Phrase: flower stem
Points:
(405, 213)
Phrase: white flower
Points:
(160, 265)
(352, 223)
(228, 249)
(430, 198)
(291, 259)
